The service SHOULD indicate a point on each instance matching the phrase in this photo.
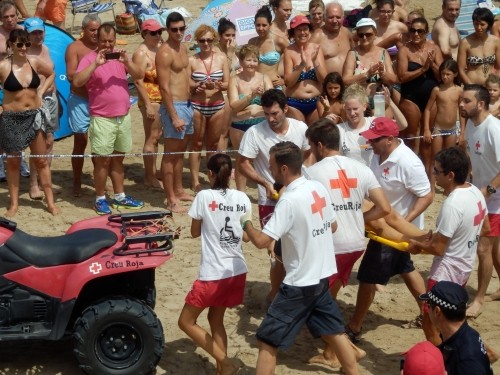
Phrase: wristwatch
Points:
(490, 189)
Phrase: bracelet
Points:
(244, 225)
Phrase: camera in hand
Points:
(112, 55)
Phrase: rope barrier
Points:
(141, 154)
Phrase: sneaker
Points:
(24, 170)
(102, 207)
(128, 202)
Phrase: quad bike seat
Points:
(67, 249)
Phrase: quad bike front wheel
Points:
(118, 336)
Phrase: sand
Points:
(383, 338)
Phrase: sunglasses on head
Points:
(155, 33)
(363, 35)
(177, 29)
(21, 44)
(418, 31)
(203, 41)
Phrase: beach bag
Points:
(126, 24)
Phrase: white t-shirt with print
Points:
(354, 145)
(403, 179)
(460, 219)
(348, 182)
(483, 144)
(221, 232)
(257, 141)
(302, 219)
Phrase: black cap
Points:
(447, 295)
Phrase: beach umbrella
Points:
(240, 12)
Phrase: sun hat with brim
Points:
(381, 127)
(364, 22)
(299, 20)
(424, 358)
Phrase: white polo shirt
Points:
(483, 144)
(348, 182)
(403, 179)
(302, 219)
(460, 219)
(354, 145)
(257, 141)
(221, 232)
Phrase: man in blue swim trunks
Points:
(78, 102)
(176, 112)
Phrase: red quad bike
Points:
(96, 283)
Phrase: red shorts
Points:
(430, 284)
(345, 262)
(265, 213)
(55, 11)
(217, 293)
(494, 225)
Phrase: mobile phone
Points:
(112, 55)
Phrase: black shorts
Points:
(295, 306)
(381, 262)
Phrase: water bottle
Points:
(379, 104)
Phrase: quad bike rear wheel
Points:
(118, 336)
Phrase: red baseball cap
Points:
(299, 20)
(151, 25)
(381, 127)
(424, 359)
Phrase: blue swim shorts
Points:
(1, 95)
(184, 111)
(78, 114)
(295, 306)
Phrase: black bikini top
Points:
(12, 83)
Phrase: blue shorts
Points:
(381, 262)
(185, 112)
(1, 95)
(295, 306)
(78, 114)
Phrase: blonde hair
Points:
(355, 91)
(493, 79)
(313, 4)
(203, 29)
(248, 50)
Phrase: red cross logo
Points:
(478, 145)
(480, 216)
(213, 206)
(386, 171)
(344, 183)
(319, 204)
(95, 268)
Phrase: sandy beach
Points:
(383, 338)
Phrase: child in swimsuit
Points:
(330, 103)
(447, 97)
(493, 86)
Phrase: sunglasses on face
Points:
(203, 41)
(21, 44)
(365, 35)
(155, 33)
(418, 31)
(177, 29)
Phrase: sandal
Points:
(418, 322)
(355, 337)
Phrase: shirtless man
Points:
(444, 32)
(334, 39)
(176, 112)
(387, 28)
(36, 30)
(78, 111)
